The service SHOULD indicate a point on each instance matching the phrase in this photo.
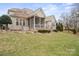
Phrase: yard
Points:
(37, 44)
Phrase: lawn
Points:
(36, 44)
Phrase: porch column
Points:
(34, 22)
(22, 24)
(40, 23)
(44, 24)
(19, 23)
(30, 23)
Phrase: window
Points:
(20, 22)
(17, 22)
(23, 22)
(11, 13)
(26, 23)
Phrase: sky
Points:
(55, 9)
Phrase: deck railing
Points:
(39, 26)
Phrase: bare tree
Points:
(65, 19)
(71, 19)
(75, 18)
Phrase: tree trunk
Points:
(6, 27)
(1, 27)
(68, 29)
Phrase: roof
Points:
(50, 18)
(26, 12)
(39, 12)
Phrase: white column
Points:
(18, 21)
(34, 22)
(44, 24)
(30, 23)
(40, 22)
(22, 24)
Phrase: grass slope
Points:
(39, 44)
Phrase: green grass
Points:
(35, 44)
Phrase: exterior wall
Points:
(31, 23)
(54, 24)
(50, 23)
(13, 26)
(39, 12)
(21, 15)
(41, 24)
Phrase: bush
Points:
(55, 30)
(74, 31)
(78, 29)
(44, 31)
(59, 27)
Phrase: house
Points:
(27, 19)
(50, 22)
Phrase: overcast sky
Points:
(49, 8)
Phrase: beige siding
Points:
(50, 22)
(39, 13)
(24, 14)
(18, 27)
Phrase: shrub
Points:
(78, 29)
(44, 31)
(74, 31)
(59, 27)
(5, 19)
(55, 30)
